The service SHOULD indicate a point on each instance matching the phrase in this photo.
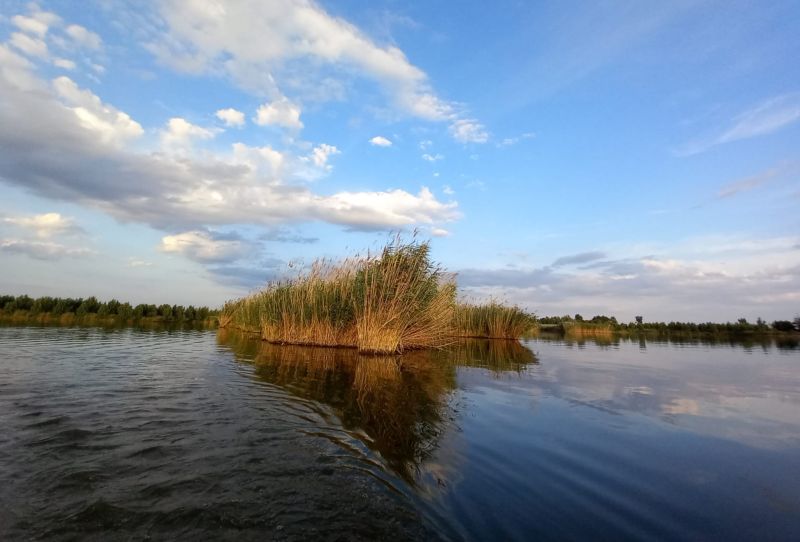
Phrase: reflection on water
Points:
(765, 342)
(400, 405)
(177, 434)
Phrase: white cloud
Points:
(38, 22)
(105, 121)
(42, 250)
(281, 112)
(439, 232)
(432, 157)
(448, 190)
(259, 44)
(180, 133)
(509, 141)
(29, 45)
(64, 63)
(320, 154)
(762, 119)
(468, 131)
(83, 37)
(380, 141)
(54, 142)
(205, 247)
(43, 225)
(262, 160)
(230, 116)
(700, 279)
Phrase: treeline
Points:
(58, 306)
(740, 327)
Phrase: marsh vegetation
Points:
(393, 301)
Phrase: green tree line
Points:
(57, 306)
(741, 326)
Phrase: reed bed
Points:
(390, 302)
(491, 320)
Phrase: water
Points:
(131, 434)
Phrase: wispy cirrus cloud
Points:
(762, 119)
(583, 257)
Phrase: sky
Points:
(622, 158)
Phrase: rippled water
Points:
(130, 434)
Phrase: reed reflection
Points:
(399, 402)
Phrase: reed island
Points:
(388, 302)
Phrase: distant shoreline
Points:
(21, 317)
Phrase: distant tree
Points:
(578, 318)
(783, 325)
(797, 323)
(113, 306)
(24, 302)
(165, 311)
(125, 311)
(60, 307)
(639, 320)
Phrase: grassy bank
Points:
(393, 301)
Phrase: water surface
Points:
(130, 434)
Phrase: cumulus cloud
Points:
(61, 141)
(469, 131)
(380, 141)
(83, 37)
(320, 154)
(231, 117)
(42, 250)
(258, 44)
(37, 22)
(64, 63)
(44, 225)
(281, 112)
(29, 45)
(205, 246)
(180, 134)
(103, 120)
(432, 157)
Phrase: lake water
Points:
(134, 434)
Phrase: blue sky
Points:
(622, 158)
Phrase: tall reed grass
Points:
(389, 302)
(491, 320)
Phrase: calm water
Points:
(126, 434)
